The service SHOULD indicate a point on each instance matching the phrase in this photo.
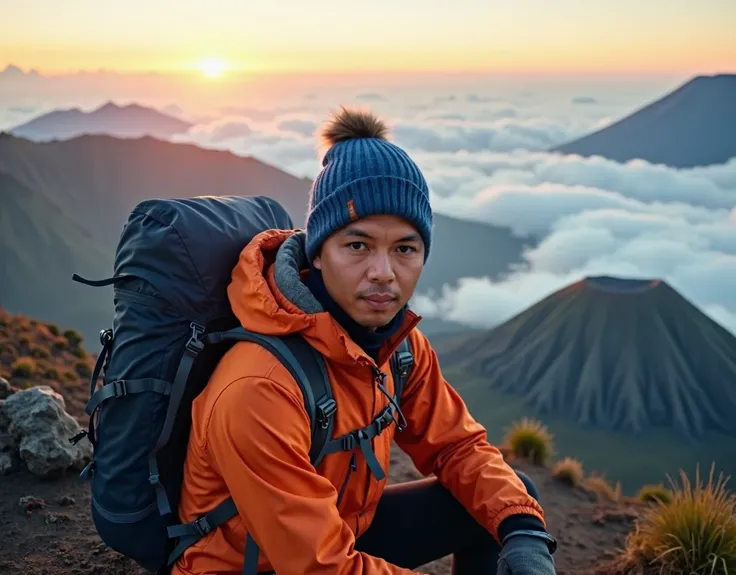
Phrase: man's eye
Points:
(356, 245)
(407, 249)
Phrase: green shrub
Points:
(530, 439)
(73, 337)
(83, 369)
(54, 329)
(39, 352)
(23, 367)
(51, 373)
(654, 493)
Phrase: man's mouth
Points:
(379, 301)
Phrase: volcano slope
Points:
(693, 125)
(630, 376)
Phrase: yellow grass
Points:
(530, 439)
(569, 471)
(654, 493)
(694, 534)
(602, 488)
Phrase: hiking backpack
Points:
(172, 323)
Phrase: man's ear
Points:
(317, 263)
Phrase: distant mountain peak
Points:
(615, 353)
(108, 106)
(128, 121)
(620, 285)
(13, 70)
(693, 125)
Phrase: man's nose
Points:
(382, 270)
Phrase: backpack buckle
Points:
(404, 359)
(119, 387)
(105, 336)
(195, 345)
(325, 409)
(348, 442)
(202, 526)
(387, 417)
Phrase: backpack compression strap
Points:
(308, 369)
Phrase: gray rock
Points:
(4, 421)
(42, 428)
(6, 390)
(9, 462)
(8, 444)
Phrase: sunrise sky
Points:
(527, 36)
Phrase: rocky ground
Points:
(44, 509)
(47, 528)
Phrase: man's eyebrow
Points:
(413, 237)
(353, 231)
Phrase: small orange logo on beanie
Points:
(351, 210)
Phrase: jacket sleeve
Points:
(443, 438)
(258, 439)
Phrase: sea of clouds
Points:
(596, 217)
(486, 159)
(485, 153)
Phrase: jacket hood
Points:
(268, 296)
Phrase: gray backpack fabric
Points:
(172, 324)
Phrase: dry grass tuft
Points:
(569, 471)
(693, 534)
(654, 494)
(530, 439)
(602, 488)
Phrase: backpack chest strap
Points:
(362, 438)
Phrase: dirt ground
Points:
(59, 537)
(46, 526)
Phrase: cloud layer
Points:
(482, 149)
(484, 158)
(596, 217)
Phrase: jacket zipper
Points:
(353, 466)
(378, 377)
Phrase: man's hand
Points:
(524, 554)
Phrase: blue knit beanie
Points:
(363, 174)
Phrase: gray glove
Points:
(524, 554)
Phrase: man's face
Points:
(371, 267)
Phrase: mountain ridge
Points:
(130, 120)
(97, 180)
(692, 125)
(39, 247)
(615, 353)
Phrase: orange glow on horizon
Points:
(287, 37)
(61, 62)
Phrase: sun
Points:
(212, 67)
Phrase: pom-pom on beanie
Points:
(364, 174)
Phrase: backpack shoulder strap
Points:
(401, 362)
(307, 367)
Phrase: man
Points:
(344, 284)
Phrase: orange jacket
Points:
(250, 437)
